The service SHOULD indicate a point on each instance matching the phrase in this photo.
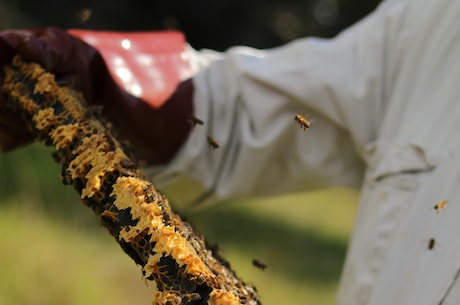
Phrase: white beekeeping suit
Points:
(385, 99)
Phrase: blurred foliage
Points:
(207, 23)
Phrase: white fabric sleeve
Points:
(248, 99)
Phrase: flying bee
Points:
(259, 264)
(213, 142)
(304, 122)
(431, 244)
(440, 205)
(83, 15)
(195, 121)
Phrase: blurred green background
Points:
(54, 251)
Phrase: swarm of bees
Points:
(213, 143)
(304, 124)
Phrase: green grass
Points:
(54, 251)
(44, 261)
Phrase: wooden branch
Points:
(170, 252)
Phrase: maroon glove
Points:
(156, 128)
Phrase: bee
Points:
(149, 194)
(440, 205)
(213, 142)
(191, 297)
(195, 121)
(259, 264)
(83, 15)
(431, 244)
(304, 122)
(110, 215)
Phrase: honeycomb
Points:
(170, 252)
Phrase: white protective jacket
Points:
(385, 99)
